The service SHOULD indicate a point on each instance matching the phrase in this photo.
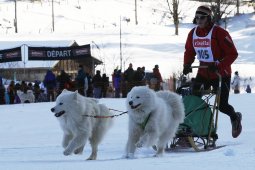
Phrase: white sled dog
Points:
(70, 110)
(153, 118)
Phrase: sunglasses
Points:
(202, 17)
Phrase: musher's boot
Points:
(236, 125)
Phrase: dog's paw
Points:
(130, 156)
(91, 158)
(78, 151)
(139, 144)
(67, 152)
(158, 155)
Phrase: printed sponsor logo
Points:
(11, 55)
(37, 53)
(81, 51)
(201, 42)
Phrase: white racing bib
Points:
(203, 46)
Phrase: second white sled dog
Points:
(70, 110)
(153, 118)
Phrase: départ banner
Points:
(59, 53)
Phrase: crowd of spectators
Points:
(97, 86)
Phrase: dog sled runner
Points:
(199, 129)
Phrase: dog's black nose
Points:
(130, 103)
(52, 109)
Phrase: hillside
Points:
(150, 42)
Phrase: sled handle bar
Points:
(218, 74)
(198, 66)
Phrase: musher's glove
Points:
(187, 69)
(212, 68)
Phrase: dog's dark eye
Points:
(137, 97)
(60, 103)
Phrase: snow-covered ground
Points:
(31, 139)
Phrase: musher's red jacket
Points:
(223, 50)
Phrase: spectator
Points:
(17, 99)
(26, 96)
(129, 77)
(30, 86)
(86, 85)
(2, 92)
(42, 96)
(236, 83)
(143, 74)
(117, 83)
(11, 92)
(89, 91)
(36, 90)
(113, 75)
(63, 82)
(97, 84)
(105, 85)
(50, 84)
(23, 85)
(138, 77)
(248, 89)
(123, 87)
(156, 79)
(80, 79)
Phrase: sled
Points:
(199, 129)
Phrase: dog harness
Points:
(144, 123)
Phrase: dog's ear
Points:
(76, 95)
(64, 91)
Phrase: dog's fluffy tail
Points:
(176, 103)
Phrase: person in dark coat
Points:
(42, 96)
(63, 81)
(117, 83)
(80, 80)
(11, 92)
(138, 77)
(97, 84)
(157, 78)
(248, 89)
(90, 85)
(105, 84)
(50, 84)
(23, 85)
(17, 88)
(129, 77)
(2, 92)
(36, 89)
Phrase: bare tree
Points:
(237, 6)
(173, 7)
(252, 4)
(219, 8)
